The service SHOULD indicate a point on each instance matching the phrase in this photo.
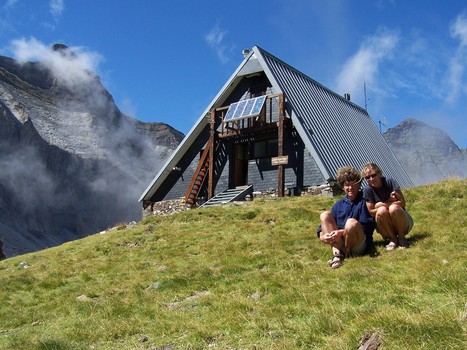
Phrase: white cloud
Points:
(56, 8)
(72, 67)
(454, 79)
(215, 40)
(459, 29)
(365, 64)
(456, 69)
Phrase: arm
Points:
(397, 198)
(372, 208)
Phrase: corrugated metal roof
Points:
(336, 131)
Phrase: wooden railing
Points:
(198, 177)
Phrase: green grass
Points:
(252, 276)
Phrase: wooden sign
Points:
(282, 160)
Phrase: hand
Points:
(330, 237)
(394, 196)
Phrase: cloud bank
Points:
(72, 67)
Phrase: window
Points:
(264, 149)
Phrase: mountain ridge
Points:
(427, 153)
(72, 163)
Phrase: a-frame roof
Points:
(334, 130)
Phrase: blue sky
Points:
(165, 61)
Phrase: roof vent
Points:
(347, 97)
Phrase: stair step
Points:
(229, 195)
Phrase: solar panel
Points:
(245, 109)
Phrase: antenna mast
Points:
(364, 91)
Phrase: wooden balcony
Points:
(266, 121)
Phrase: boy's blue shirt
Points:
(344, 209)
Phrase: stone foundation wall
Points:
(177, 205)
(166, 207)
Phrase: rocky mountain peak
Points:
(427, 153)
(72, 163)
(63, 49)
(412, 132)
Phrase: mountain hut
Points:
(270, 127)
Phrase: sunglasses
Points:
(371, 176)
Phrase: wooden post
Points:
(212, 134)
(280, 146)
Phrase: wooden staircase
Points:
(198, 177)
(229, 195)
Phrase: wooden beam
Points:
(280, 146)
(212, 135)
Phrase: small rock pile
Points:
(166, 207)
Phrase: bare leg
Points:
(353, 234)
(400, 223)
(328, 224)
(385, 227)
(398, 219)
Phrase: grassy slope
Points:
(243, 277)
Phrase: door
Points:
(240, 164)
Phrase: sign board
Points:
(282, 160)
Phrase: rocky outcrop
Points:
(71, 163)
(427, 154)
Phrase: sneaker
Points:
(403, 243)
(391, 246)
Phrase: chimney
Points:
(347, 97)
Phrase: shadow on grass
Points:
(381, 243)
(418, 236)
(371, 251)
